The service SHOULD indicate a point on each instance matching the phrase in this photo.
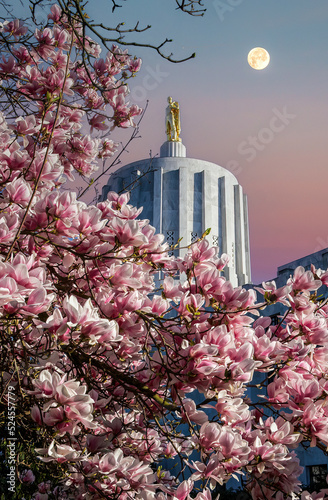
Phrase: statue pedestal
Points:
(173, 149)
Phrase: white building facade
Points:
(182, 197)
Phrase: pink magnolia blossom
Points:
(272, 293)
(16, 28)
(183, 490)
(27, 476)
(232, 410)
(281, 431)
(303, 280)
(125, 232)
(59, 453)
(55, 13)
(191, 413)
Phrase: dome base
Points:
(173, 149)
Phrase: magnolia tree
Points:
(102, 367)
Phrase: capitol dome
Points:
(182, 197)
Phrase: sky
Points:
(268, 127)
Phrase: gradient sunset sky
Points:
(269, 127)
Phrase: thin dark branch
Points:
(76, 10)
(192, 7)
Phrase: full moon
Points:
(258, 58)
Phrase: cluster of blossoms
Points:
(49, 142)
(109, 340)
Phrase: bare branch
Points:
(191, 7)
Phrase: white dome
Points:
(182, 197)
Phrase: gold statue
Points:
(173, 127)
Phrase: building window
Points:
(317, 475)
(170, 238)
(275, 319)
(194, 236)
